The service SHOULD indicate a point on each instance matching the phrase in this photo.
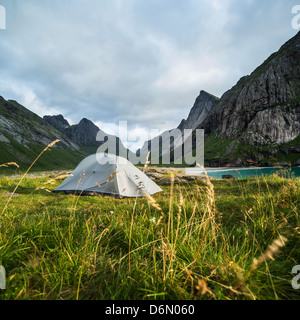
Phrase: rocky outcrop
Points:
(26, 128)
(23, 135)
(85, 134)
(257, 120)
(169, 175)
(260, 115)
(203, 105)
(57, 122)
(273, 126)
(264, 105)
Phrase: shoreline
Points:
(209, 169)
(187, 170)
(197, 171)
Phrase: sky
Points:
(140, 61)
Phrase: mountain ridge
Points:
(85, 134)
(203, 105)
(23, 135)
(262, 111)
(255, 121)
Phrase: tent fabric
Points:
(108, 174)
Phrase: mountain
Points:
(256, 121)
(204, 103)
(84, 133)
(23, 135)
(259, 118)
(58, 122)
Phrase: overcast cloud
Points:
(144, 61)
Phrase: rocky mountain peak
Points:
(58, 122)
(206, 95)
(258, 118)
(23, 134)
(203, 105)
(262, 111)
(181, 126)
(86, 121)
(273, 84)
(83, 133)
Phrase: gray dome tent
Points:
(109, 174)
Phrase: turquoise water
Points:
(251, 172)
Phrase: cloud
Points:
(140, 61)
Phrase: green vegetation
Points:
(214, 147)
(57, 158)
(13, 115)
(222, 150)
(195, 240)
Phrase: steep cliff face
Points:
(58, 122)
(273, 126)
(274, 86)
(202, 107)
(263, 109)
(23, 135)
(204, 104)
(25, 127)
(256, 120)
(83, 133)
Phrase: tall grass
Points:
(198, 240)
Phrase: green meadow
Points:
(218, 239)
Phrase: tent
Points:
(103, 173)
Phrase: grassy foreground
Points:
(224, 239)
